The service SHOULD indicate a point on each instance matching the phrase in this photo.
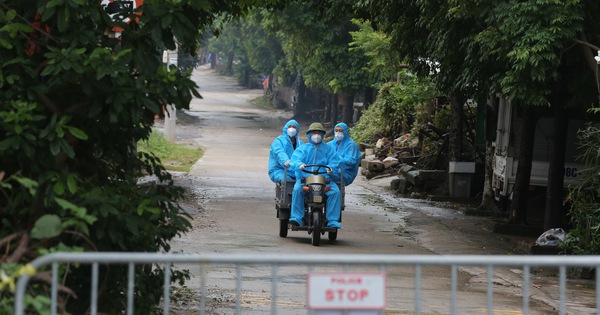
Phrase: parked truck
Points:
(506, 158)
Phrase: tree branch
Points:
(45, 277)
(77, 107)
(84, 238)
(590, 45)
(21, 249)
(6, 240)
(47, 102)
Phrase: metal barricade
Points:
(274, 262)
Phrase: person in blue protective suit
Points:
(315, 152)
(281, 151)
(348, 151)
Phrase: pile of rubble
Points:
(398, 159)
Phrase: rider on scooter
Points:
(281, 151)
(348, 151)
(315, 152)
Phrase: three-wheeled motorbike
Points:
(315, 203)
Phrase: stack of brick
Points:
(398, 158)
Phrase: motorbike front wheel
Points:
(316, 233)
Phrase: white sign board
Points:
(346, 291)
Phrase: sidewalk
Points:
(445, 229)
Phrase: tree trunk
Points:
(269, 90)
(230, 62)
(213, 61)
(328, 105)
(519, 202)
(334, 108)
(348, 109)
(556, 170)
(247, 78)
(202, 55)
(487, 199)
(369, 98)
(301, 103)
(456, 134)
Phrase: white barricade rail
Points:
(381, 263)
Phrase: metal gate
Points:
(386, 264)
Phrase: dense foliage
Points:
(75, 97)
(401, 107)
(300, 37)
(584, 200)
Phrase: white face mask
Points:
(339, 136)
(291, 132)
(316, 138)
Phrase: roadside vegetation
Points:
(75, 99)
(174, 156)
(584, 199)
(262, 102)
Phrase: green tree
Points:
(547, 67)
(262, 48)
(74, 101)
(315, 38)
(227, 43)
(397, 109)
(256, 51)
(383, 59)
(439, 45)
(530, 51)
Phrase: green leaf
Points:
(55, 147)
(47, 226)
(72, 183)
(5, 44)
(10, 15)
(30, 184)
(166, 21)
(59, 188)
(77, 133)
(144, 207)
(54, 3)
(65, 204)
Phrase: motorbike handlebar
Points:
(317, 171)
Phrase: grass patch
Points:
(174, 157)
(262, 102)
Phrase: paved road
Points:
(237, 216)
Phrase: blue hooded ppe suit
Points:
(349, 154)
(311, 153)
(281, 151)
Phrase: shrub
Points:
(584, 199)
